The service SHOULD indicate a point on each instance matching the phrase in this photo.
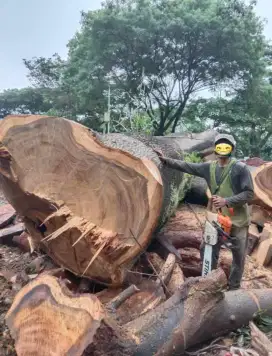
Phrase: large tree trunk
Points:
(91, 201)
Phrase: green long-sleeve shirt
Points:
(242, 184)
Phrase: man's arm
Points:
(197, 169)
(246, 187)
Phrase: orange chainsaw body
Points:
(225, 222)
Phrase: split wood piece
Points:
(253, 238)
(191, 262)
(167, 269)
(7, 214)
(8, 233)
(46, 319)
(260, 215)
(185, 229)
(177, 277)
(260, 341)
(262, 178)
(148, 297)
(24, 242)
(263, 253)
(266, 233)
(122, 297)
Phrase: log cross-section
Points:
(262, 178)
(79, 198)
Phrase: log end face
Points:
(44, 314)
(110, 191)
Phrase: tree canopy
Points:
(157, 53)
(247, 116)
(148, 60)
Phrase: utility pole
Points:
(106, 128)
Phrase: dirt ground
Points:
(16, 270)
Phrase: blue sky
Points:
(31, 28)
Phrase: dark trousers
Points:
(239, 239)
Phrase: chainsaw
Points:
(215, 232)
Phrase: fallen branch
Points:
(117, 301)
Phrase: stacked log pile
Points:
(96, 205)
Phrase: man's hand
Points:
(218, 202)
(160, 155)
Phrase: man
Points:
(231, 186)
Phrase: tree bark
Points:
(197, 193)
(91, 201)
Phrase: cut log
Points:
(44, 319)
(263, 253)
(198, 312)
(82, 200)
(91, 201)
(253, 238)
(260, 215)
(148, 297)
(191, 262)
(262, 177)
(185, 229)
(266, 233)
(201, 143)
(177, 277)
(8, 233)
(7, 214)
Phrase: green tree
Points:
(156, 54)
(23, 101)
(47, 73)
(247, 116)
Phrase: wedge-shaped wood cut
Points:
(46, 319)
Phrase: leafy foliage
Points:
(157, 53)
(148, 59)
(23, 101)
(247, 116)
(242, 336)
